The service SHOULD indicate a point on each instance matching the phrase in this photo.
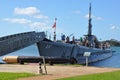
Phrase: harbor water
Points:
(113, 61)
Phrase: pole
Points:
(86, 61)
(87, 55)
(55, 29)
(49, 36)
(55, 22)
(46, 34)
(44, 65)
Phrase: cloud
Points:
(30, 11)
(98, 18)
(40, 16)
(94, 17)
(20, 21)
(32, 22)
(26, 11)
(76, 12)
(114, 27)
(41, 26)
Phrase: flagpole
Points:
(55, 27)
(55, 30)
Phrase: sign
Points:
(87, 54)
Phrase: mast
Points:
(89, 23)
(54, 26)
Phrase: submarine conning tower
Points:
(91, 38)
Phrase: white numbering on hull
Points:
(48, 46)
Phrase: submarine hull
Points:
(73, 52)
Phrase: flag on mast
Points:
(54, 25)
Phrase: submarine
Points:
(68, 52)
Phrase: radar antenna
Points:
(89, 23)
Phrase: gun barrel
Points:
(33, 59)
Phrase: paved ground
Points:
(54, 72)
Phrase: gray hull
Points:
(72, 52)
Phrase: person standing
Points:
(73, 40)
(67, 39)
(63, 37)
(54, 36)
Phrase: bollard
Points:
(40, 68)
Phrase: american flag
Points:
(54, 25)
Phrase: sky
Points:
(17, 16)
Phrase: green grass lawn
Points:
(13, 76)
(101, 76)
